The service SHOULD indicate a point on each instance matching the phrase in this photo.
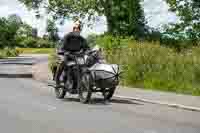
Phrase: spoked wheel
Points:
(60, 92)
(108, 94)
(85, 90)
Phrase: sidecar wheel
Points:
(109, 94)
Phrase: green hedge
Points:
(151, 66)
(8, 52)
(31, 42)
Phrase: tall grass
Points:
(151, 66)
(8, 52)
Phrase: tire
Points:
(109, 94)
(85, 90)
(54, 72)
(60, 92)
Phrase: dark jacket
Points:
(74, 42)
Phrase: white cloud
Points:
(15, 7)
(156, 11)
(67, 27)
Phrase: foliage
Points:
(42, 43)
(91, 39)
(34, 32)
(52, 30)
(153, 35)
(8, 52)
(177, 41)
(151, 66)
(110, 42)
(8, 30)
(31, 42)
(25, 30)
(15, 20)
(189, 13)
(123, 16)
(15, 33)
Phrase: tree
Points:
(3, 31)
(189, 13)
(25, 30)
(123, 16)
(8, 30)
(15, 19)
(34, 32)
(91, 39)
(52, 30)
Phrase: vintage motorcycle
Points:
(86, 72)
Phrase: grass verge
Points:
(36, 50)
(159, 68)
(8, 52)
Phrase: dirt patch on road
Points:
(41, 72)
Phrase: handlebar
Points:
(74, 55)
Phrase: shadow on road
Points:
(100, 101)
(122, 101)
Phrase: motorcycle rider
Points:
(72, 42)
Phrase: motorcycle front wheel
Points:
(85, 89)
(60, 90)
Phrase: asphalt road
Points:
(25, 59)
(28, 106)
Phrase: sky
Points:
(156, 13)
